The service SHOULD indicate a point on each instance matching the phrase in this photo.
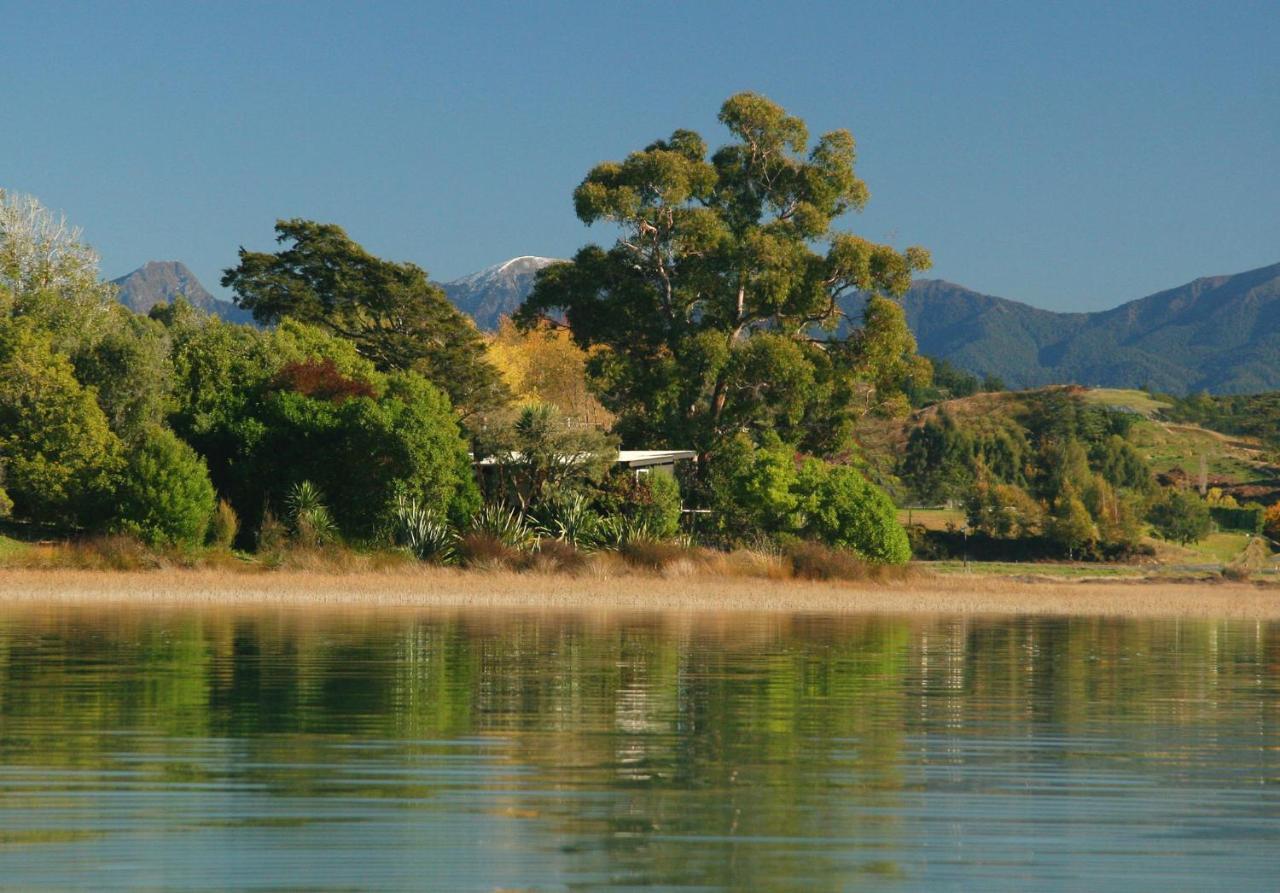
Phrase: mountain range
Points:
(160, 281)
(1220, 333)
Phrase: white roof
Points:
(630, 458)
(641, 458)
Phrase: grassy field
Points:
(932, 519)
(11, 548)
(1136, 401)
(1065, 571)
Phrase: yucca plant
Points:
(505, 525)
(423, 531)
(616, 531)
(570, 519)
(312, 524)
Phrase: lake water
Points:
(276, 750)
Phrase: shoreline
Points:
(438, 588)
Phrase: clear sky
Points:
(1073, 155)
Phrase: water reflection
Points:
(460, 751)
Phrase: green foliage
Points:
(938, 462)
(1254, 415)
(129, 368)
(760, 492)
(841, 508)
(423, 532)
(312, 524)
(238, 400)
(653, 499)
(701, 317)
(1070, 525)
(391, 312)
(49, 277)
(752, 488)
(1180, 516)
(1247, 518)
(164, 496)
(505, 525)
(661, 504)
(60, 454)
(538, 453)
(1004, 511)
(569, 518)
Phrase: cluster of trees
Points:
(111, 421)
(356, 408)
(1059, 469)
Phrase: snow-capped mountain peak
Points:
(496, 291)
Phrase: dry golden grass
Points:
(611, 584)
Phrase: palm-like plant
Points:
(570, 519)
(312, 524)
(505, 525)
(423, 531)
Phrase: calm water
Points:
(275, 751)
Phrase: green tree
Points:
(1004, 511)
(1180, 517)
(391, 312)
(938, 461)
(361, 452)
(130, 369)
(164, 496)
(841, 508)
(752, 488)
(1069, 524)
(714, 310)
(61, 456)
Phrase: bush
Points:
(660, 510)
(814, 561)
(225, 526)
(843, 508)
(1247, 518)
(1181, 517)
(423, 532)
(165, 497)
(479, 549)
(506, 526)
(313, 526)
(569, 518)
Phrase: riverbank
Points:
(431, 588)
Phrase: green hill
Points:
(1219, 334)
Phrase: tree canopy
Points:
(393, 314)
(716, 307)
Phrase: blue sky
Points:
(1073, 155)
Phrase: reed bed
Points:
(613, 585)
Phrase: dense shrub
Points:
(165, 497)
(842, 508)
(760, 491)
(1180, 516)
(224, 526)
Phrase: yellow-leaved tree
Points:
(544, 365)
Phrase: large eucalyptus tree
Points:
(717, 308)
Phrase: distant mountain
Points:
(496, 291)
(159, 282)
(1220, 334)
